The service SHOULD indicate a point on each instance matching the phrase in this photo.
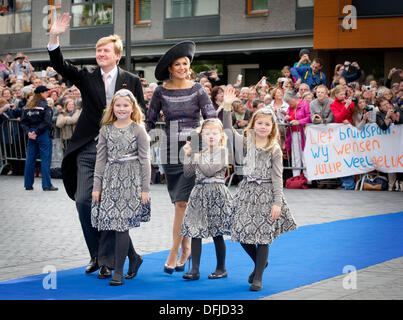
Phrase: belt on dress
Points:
(257, 180)
(211, 180)
(125, 158)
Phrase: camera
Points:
(352, 85)
(368, 108)
(368, 87)
(203, 74)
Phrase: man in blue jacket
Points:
(312, 75)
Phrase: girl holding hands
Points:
(208, 210)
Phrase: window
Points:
(257, 6)
(54, 8)
(87, 13)
(304, 3)
(190, 8)
(15, 16)
(143, 12)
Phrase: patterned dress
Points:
(209, 207)
(260, 189)
(122, 172)
(254, 198)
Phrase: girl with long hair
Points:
(260, 212)
(121, 188)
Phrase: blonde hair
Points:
(214, 122)
(136, 115)
(339, 88)
(274, 91)
(321, 86)
(66, 103)
(117, 43)
(272, 139)
(236, 104)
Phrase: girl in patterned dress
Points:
(122, 176)
(260, 212)
(209, 206)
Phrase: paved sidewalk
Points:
(40, 229)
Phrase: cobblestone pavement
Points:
(39, 229)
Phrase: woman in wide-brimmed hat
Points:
(181, 101)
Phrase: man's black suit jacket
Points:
(91, 86)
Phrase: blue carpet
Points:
(310, 254)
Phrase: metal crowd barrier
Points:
(13, 143)
(236, 168)
(284, 129)
(13, 146)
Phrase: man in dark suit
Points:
(97, 89)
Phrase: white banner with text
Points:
(339, 150)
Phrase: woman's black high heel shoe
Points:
(181, 266)
(168, 269)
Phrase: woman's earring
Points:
(170, 76)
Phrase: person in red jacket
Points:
(341, 107)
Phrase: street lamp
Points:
(128, 36)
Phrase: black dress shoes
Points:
(132, 272)
(92, 266)
(52, 188)
(104, 272)
(29, 188)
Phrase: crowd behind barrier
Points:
(300, 96)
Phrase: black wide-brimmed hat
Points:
(182, 49)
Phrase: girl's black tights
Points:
(123, 248)
(196, 247)
(259, 254)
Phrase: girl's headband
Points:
(267, 111)
(126, 93)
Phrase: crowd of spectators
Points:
(17, 84)
(302, 94)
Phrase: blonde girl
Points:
(260, 212)
(122, 179)
(209, 206)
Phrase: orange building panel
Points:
(370, 32)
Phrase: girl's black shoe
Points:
(191, 276)
(252, 275)
(132, 273)
(117, 279)
(256, 286)
(218, 275)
